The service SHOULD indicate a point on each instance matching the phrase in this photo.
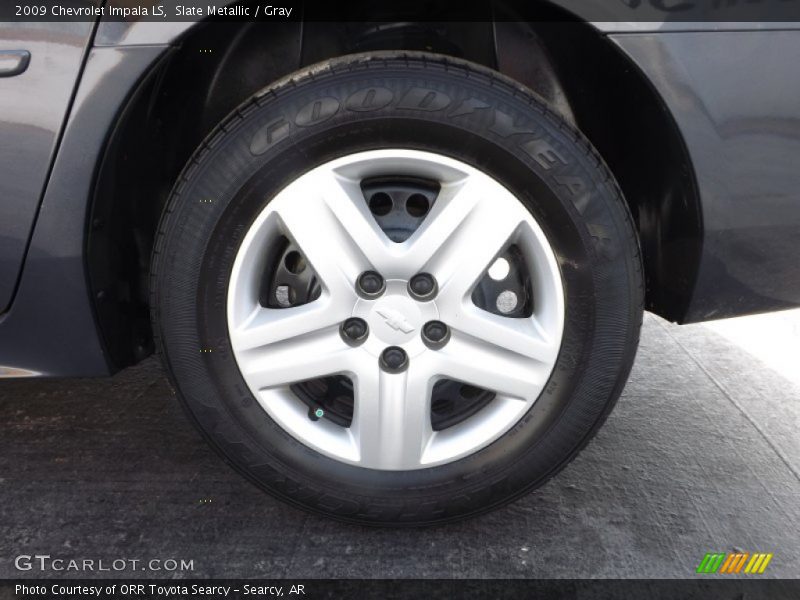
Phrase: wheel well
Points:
(217, 66)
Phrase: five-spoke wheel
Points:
(406, 309)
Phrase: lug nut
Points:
(422, 286)
(371, 284)
(394, 360)
(435, 334)
(354, 330)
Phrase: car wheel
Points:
(397, 289)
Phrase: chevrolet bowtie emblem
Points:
(395, 320)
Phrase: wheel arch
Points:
(211, 68)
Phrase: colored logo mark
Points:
(735, 562)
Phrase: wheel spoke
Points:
(391, 421)
(523, 336)
(267, 326)
(326, 217)
(318, 354)
(346, 202)
(496, 369)
(454, 205)
(462, 236)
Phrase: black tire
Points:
(423, 102)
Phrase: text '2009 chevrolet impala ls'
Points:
(395, 269)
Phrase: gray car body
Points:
(731, 89)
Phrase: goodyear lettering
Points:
(467, 107)
(424, 99)
(504, 125)
(543, 153)
(419, 98)
(269, 135)
(317, 111)
(373, 98)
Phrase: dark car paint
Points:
(735, 97)
(51, 329)
(732, 134)
(33, 104)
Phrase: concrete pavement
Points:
(701, 454)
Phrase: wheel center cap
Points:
(395, 319)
